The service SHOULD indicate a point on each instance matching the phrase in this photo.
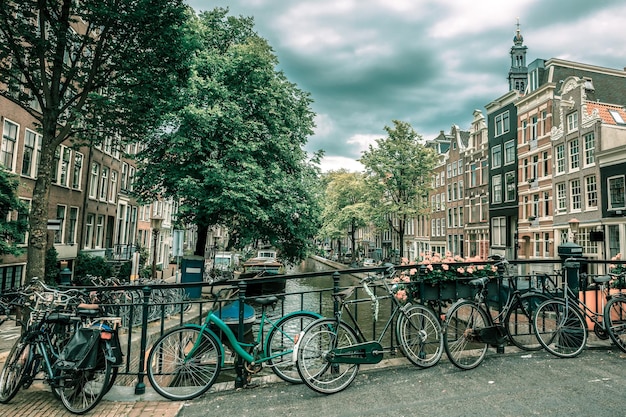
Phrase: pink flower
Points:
(460, 270)
(480, 267)
(445, 267)
(494, 268)
(430, 267)
(405, 278)
(470, 269)
(401, 295)
(413, 271)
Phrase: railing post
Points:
(140, 388)
(239, 366)
(336, 277)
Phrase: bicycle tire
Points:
(13, 370)
(314, 347)
(81, 390)
(560, 328)
(280, 343)
(463, 322)
(615, 320)
(177, 377)
(519, 319)
(419, 336)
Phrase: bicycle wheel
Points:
(174, 373)
(518, 321)
(81, 390)
(560, 328)
(419, 336)
(460, 335)
(615, 321)
(280, 342)
(13, 370)
(314, 351)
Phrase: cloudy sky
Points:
(427, 62)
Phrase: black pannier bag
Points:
(81, 352)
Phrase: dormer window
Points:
(572, 121)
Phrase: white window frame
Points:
(572, 121)
(502, 123)
(616, 188)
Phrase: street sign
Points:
(54, 224)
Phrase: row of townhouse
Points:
(545, 166)
(90, 198)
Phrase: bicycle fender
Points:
(212, 333)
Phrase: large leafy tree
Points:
(346, 205)
(399, 171)
(12, 228)
(88, 70)
(234, 153)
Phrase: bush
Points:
(90, 265)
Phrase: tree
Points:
(12, 228)
(399, 171)
(234, 153)
(346, 205)
(87, 71)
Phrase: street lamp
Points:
(574, 225)
(155, 222)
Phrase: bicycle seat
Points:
(479, 282)
(265, 301)
(601, 279)
(88, 310)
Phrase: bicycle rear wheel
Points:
(615, 320)
(461, 330)
(314, 351)
(13, 370)
(82, 390)
(560, 328)
(519, 321)
(176, 375)
(280, 343)
(419, 336)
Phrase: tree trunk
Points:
(201, 242)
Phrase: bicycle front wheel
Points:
(315, 350)
(82, 390)
(519, 321)
(280, 343)
(419, 336)
(178, 374)
(13, 370)
(461, 331)
(560, 328)
(615, 320)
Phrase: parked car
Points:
(367, 262)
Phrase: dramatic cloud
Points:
(427, 62)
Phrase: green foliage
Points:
(87, 264)
(11, 231)
(234, 153)
(399, 173)
(51, 276)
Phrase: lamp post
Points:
(574, 225)
(155, 223)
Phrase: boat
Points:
(263, 267)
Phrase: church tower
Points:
(518, 74)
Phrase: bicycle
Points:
(330, 350)
(470, 328)
(46, 333)
(185, 361)
(560, 322)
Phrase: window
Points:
(574, 155)
(509, 152)
(99, 231)
(537, 238)
(64, 167)
(560, 159)
(473, 175)
(9, 142)
(616, 193)
(546, 203)
(617, 117)
(572, 121)
(535, 210)
(591, 189)
(546, 164)
(32, 148)
(89, 224)
(461, 189)
(113, 194)
(104, 184)
(496, 156)
(575, 195)
(484, 172)
(93, 181)
(533, 128)
(546, 243)
(71, 231)
(510, 186)
(77, 171)
(484, 209)
(59, 234)
(502, 123)
(561, 197)
(498, 231)
(590, 149)
(496, 191)
(524, 127)
(535, 167)
(124, 177)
